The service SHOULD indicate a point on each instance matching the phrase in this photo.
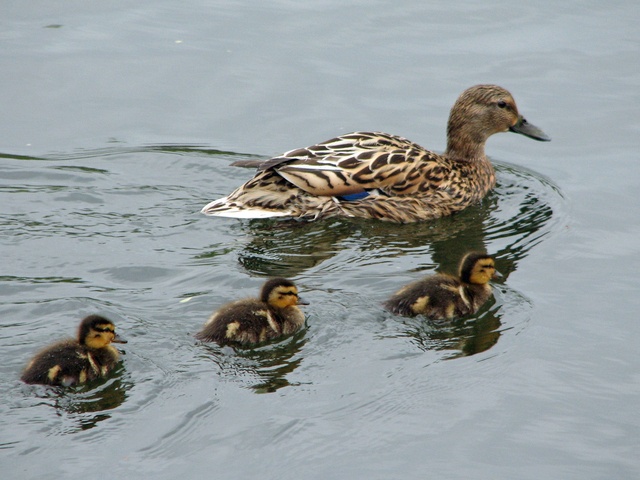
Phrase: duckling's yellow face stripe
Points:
(283, 297)
(483, 271)
(100, 335)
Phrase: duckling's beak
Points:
(528, 130)
(118, 339)
(496, 274)
(301, 301)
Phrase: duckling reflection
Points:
(76, 361)
(256, 320)
(444, 296)
(460, 337)
(264, 369)
(86, 406)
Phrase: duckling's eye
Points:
(502, 104)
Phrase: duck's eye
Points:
(502, 104)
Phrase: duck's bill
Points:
(119, 339)
(302, 301)
(525, 128)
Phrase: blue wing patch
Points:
(354, 196)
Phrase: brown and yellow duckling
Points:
(383, 176)
(256, 320)
(76, 361)
(444, 296)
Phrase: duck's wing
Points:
(58, 364)
(357, 162)
(310, 182)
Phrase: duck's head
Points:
(96, 331)
(477, 268)
(478, 113)
(280, 293)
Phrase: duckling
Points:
(382, 176)
(71, 361)
(444, 296)
(256, 320)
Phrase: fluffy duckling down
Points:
(382, 176)
(444, 296)
(76, 361)
(256, 320)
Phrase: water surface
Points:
(122, 122)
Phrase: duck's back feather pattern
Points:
(407, 183)
(352, 163)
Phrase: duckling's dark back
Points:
(253, 320)
(69, 362)
(63, 354)
(433, 296)
(241, 321)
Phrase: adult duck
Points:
(382, 176)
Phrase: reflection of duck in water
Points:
(73, 362)
(443, 296)
(382, 176)
(256, 320)
(263, 369)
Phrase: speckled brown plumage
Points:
(382, 176)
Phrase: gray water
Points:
(120, 121)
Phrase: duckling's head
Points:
(477, 268)
(478, 113)
(96, 331)
(280, 293)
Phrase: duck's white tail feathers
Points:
(223, 208)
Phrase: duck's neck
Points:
(477, 293)
(465, 141)
(468, 152)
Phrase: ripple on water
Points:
(373, 259)
(523, 208)
(344, 267)
(77, 408)
(263, 369)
